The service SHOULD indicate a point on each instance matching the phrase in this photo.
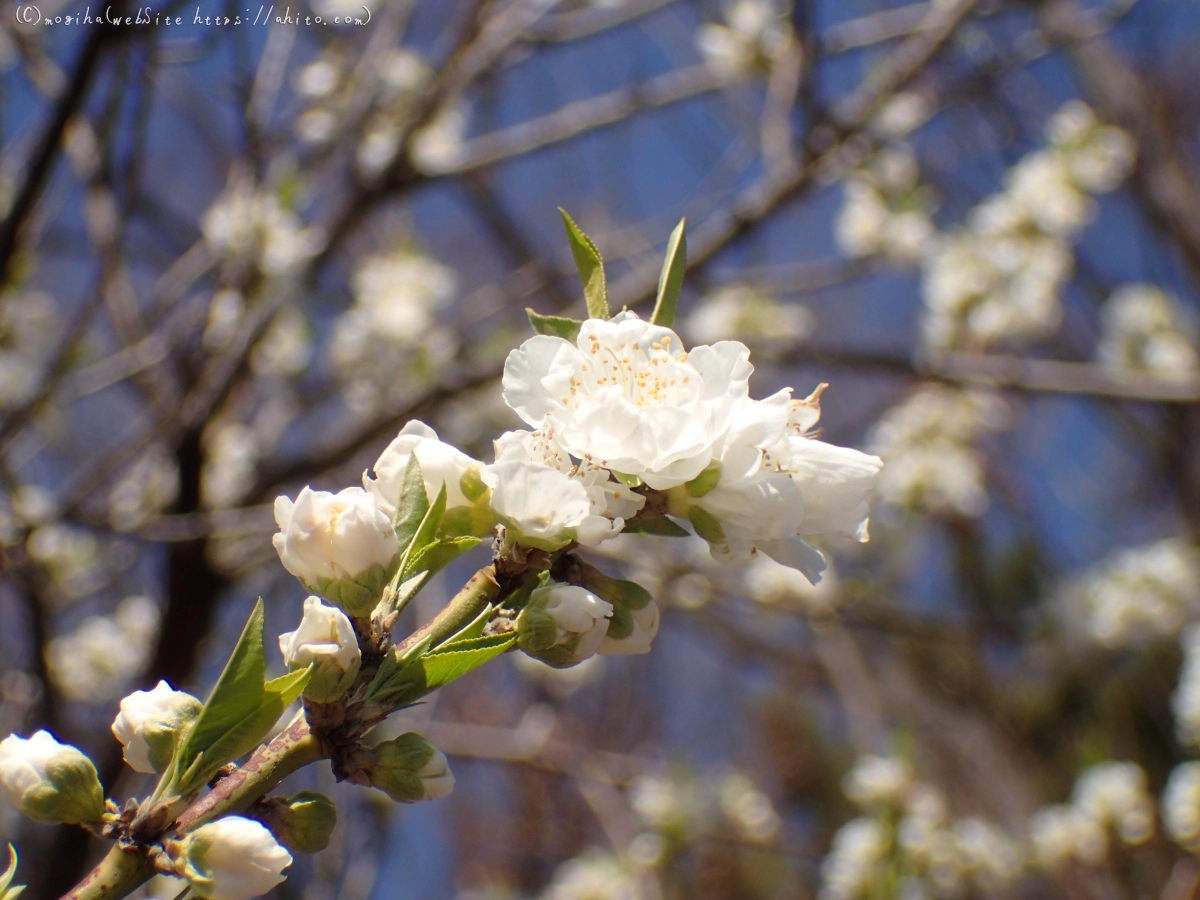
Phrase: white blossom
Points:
(398, 295)
(1139, 594)
(439, 146)
(750, 810)
(594, 875)
(885, 211)
(989, 855)
(777, 482)
(149, 486)
(742, 311)
(549, 499)
(754, 34)
(1063, 832)
(233, 858)
(149, 724)
(325, 639)
(286, 346)
(440, 463)
(97, 660)
(1114, 795)
(878, 781)
(1146, 328)
(856, 859)
(1185, 701)
(628, 398)
(1181, 806)
(926, 445)
(251, 224)
(339, 545)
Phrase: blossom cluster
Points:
(1145, 328)
(999, 277)
(886, 211)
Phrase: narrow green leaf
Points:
(236, 696)
(473, 630)
(660, 525)
(410, 588)
(670, 280)
(590, 266)
(555, 326)
(423, 536)
(413, 503)
(432, 558)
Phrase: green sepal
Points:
(359, 596)
(477, 520)
(241, 710)
(163, 736)
(70, 793)
(307, 822)
(705, 481)
(619, 592)
(412, 504)
(590, 266)
(628, 480)
(396, 765)
(670, 280)
(706, 525)
(424, 534)
(659, 525)
(555, 326)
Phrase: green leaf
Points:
(410, 588)
(422, 674)
(240, 711)
(555, 326)
(660, 525)
(474, 629)
(670, 280)
(434, 557)
(591, 268)
(423, 536)
(8, 890)
(451, 661)
(413, 503)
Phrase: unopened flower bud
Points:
(230, 859)
(440, 462)
(562, 624)
(410, 769)
(304, 823)
(635, 615)
(325, 638)
(149, 724)
(341, 546)
(49, 781)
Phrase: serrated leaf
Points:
(434, 557)
(670, 280)
(240, 711)
(413, 503)
(439, 667)
(451, 661)
(590, 266)
(660, 525)
(555, 326)
(423, 536)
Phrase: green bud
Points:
(471, 484)
(49, 781)
(304, 823)
(705, 481)
(410, 769)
